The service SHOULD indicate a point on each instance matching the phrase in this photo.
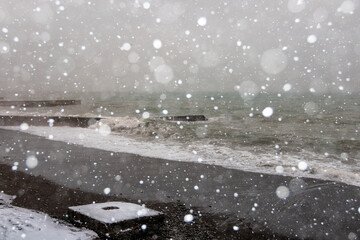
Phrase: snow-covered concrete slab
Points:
(112, 212)
(116, 218)
(21, 223)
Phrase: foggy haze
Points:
(245, 46)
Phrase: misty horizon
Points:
(183, 46)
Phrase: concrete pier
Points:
(40, 103)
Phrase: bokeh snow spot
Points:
(273, 61)
(146, 5)
(163, 74)
(31, 162)
(188, 218)
(279, 169)
(155, 62)
(202, 21)
(287, 87)
(347, 7)
(133, 57)
(248, 90)
(4, 47)
(320, 15)
(282, 192)
(107, 191)
(352, 236)
(163, 96)
(344, 156)
(24, 126)
(296, 6)
(104, 130)
(157, 44)
(311, 108)
(302, 165)
(145, 115)
(201, 132)
(311, 38)
(267, 112)
(125, 47)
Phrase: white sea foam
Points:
(241, 158)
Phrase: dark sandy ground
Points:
(70, 175)
(40, 194)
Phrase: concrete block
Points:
(116, 219)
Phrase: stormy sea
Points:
(288, 134)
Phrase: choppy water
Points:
(320, 131)
(321, 124)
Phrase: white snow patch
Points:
(6, 199)
(19, 223)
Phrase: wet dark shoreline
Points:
(317, 210)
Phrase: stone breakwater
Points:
(48, 121)
(40, 103)
(186, 118)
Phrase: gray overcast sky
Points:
(160, 45)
